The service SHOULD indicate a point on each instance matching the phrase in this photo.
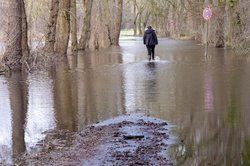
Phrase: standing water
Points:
(207, 99)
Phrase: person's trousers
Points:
(151, 51)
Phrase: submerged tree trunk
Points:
(87, 4)
(13, 52)
(73, 26)
(63, 27)
(51, 33)
(117, 14)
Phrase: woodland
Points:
(33, 30)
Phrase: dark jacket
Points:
(149, 37)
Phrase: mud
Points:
(127, 140)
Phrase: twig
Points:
(27, 66)
(34, 61)
(8, 66)
(2, 72)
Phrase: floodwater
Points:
(207, 99)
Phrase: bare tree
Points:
(105, 24)
(25, 47)
(63, 27)
(117, 15)
(219, 38)
(73, 25)
(51, 34)
(135, 16)
(13, 52)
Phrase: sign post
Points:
(207, 14)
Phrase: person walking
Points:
(150, 40)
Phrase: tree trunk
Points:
(105, 24)
(87, 4)
(25, 47)
(145, 21)
(63, 27)
(139, 24)
(13, 52)
(135, 20)
(118, 21)
(181, 19)
(73, 26)
(51, 34)
(106, 19)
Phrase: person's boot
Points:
(149, 58)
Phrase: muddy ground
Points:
(126, 140)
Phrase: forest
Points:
(32, 31)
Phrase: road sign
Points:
(207, 13)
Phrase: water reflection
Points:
(62, 94)
(208, 92)
(86, 86)
(26, 112)
(207, 99)
(5, 125)
(216, 136)
(98, 88)
(141, 87)
(18, 104)
(40, 115)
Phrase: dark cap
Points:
(149, 27)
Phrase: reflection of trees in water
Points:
(18, 103)
(63, 96)
(102, 83)
(93, 91)
(220, 137)
(212, 144)
(245, 157)
(30, 113)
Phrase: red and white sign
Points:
(207, 13)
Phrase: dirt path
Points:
(126, 140)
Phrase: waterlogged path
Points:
(206, 99)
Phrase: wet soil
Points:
(126, 140)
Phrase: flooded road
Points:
(207, 99)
